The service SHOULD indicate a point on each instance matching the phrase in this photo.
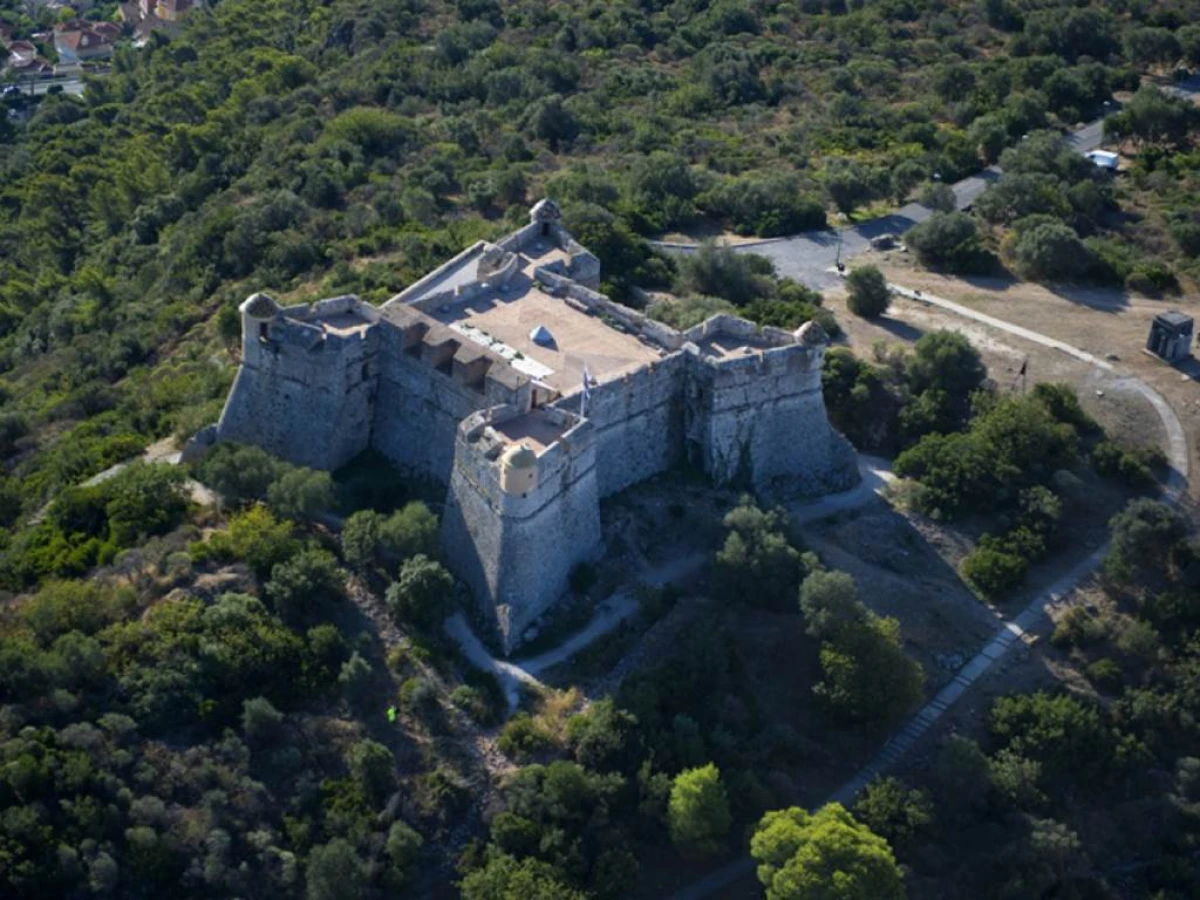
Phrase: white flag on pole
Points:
(587, 392)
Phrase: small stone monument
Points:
(1171, 336)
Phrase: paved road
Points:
(73, 85)
(809, 257)
(1010, 633)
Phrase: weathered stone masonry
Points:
(445, 382)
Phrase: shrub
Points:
(356, 678)
(604, 738)
(1068, 736)
(764, 206)
(894, 811)
(689, 311)
(369, 538)
(1152, 278)
(335, 872)
(937, 196)
(1050, 250)
(866, 676)
(409, 531)
(994, 572)
(403, 846)
(239, 473)
(800, 855)
(830, 604)
(1078, 628)
(1133, 466)
(950, 241)
(254, 536)
(1106, 674)
(723, 272)
(301, 494)
(1144, 534)
(473, 702)
(422, 594)
(301, 585)
(361, 538)
(262, 723)
(522, 738)
(372, 766)
(1063, 403)
(757, 551)
(869, 295)
(698, 812)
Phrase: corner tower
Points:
(305, 390)
(522, 511)
(756, 413)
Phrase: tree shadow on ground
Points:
(899, 328)
(1101, 299)
(894, 223)
(901, 574)
(1094, 297)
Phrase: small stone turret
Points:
(811, 334)
(258, 311)
(518, 470)
(545, 210)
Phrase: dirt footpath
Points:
(1107, 323)
(1108, 396)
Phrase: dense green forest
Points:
(192, 703)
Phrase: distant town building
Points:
(79, 41)
(20, 53)
(154, 15)
(1171, 336)
(23, 60)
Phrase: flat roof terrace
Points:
(536, 430)
(728, 346)
(345, 323)
(502, 320)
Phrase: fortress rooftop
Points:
(501, 318)
(345, 323)
(537, 429)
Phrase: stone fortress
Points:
(505, 375)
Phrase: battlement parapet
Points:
(587, 300)
(442, 274)
(723, 324)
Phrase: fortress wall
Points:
(524, 237)
(638, 423)
(417, 410)
(516, 552)
(763, 423)
(423, 284)
(306, 400)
